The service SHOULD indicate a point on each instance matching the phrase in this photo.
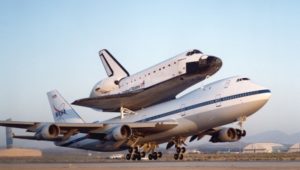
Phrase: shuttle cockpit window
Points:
(242, 79)
(193, 52)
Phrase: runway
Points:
(147, 165)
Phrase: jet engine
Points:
(48, 131)
(227, 135)
(121, 132)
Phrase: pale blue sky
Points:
(47, 45)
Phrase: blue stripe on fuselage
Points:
(205, 104)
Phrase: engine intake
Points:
(48, 131)
(227, 135)
(121, 132)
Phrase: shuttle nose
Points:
(212, 64)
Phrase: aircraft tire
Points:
(143, 154)
(176, 156)
(181, 156)
(150, 157)
(244, 133)
(128, 156)
(183, 150)
(159, 154)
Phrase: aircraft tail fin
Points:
(9, 136)
(111, 65)
(62, 111)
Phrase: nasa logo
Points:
(59, 112)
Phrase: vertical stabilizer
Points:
(61, 109)
(112, 67)
(9, 136)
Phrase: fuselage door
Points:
(218, 101)
(183, 110)
(227, 83)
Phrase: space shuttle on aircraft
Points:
(163, 119)
(157, 84)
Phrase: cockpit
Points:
(242, 79)
(195, 51)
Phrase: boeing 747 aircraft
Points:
(201, 112)
(148, 87)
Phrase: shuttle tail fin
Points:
(111, 65)
(62, 111)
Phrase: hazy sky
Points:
(47, 45)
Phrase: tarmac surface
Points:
(147, 165)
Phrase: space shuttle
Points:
(154, 85)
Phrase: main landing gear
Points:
(154, 155)
(178, 141)
(179, 153)
(135, 154)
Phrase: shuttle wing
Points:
(141, 98)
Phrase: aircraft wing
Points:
(33, 126)
(94, 129)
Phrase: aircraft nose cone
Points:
(215, 61)
(267, 94)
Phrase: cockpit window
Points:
(242, 79)
(193, 52)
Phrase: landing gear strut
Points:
(241, 120)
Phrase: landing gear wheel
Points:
(128, 156)
(178, 150)
(139, 157)
(154, 154)
(159, 154)
(176, 156)
(136, 149)
(150, 157)
(134, 157)
(183, 150)
(181, 156)
(130, 150)
(143, 154)
(244, 133)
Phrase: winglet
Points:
(111, 65)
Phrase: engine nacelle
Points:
(227, 135)
(121, 132)
(104, 86)
(48, 131)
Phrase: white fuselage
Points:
(211, 106)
